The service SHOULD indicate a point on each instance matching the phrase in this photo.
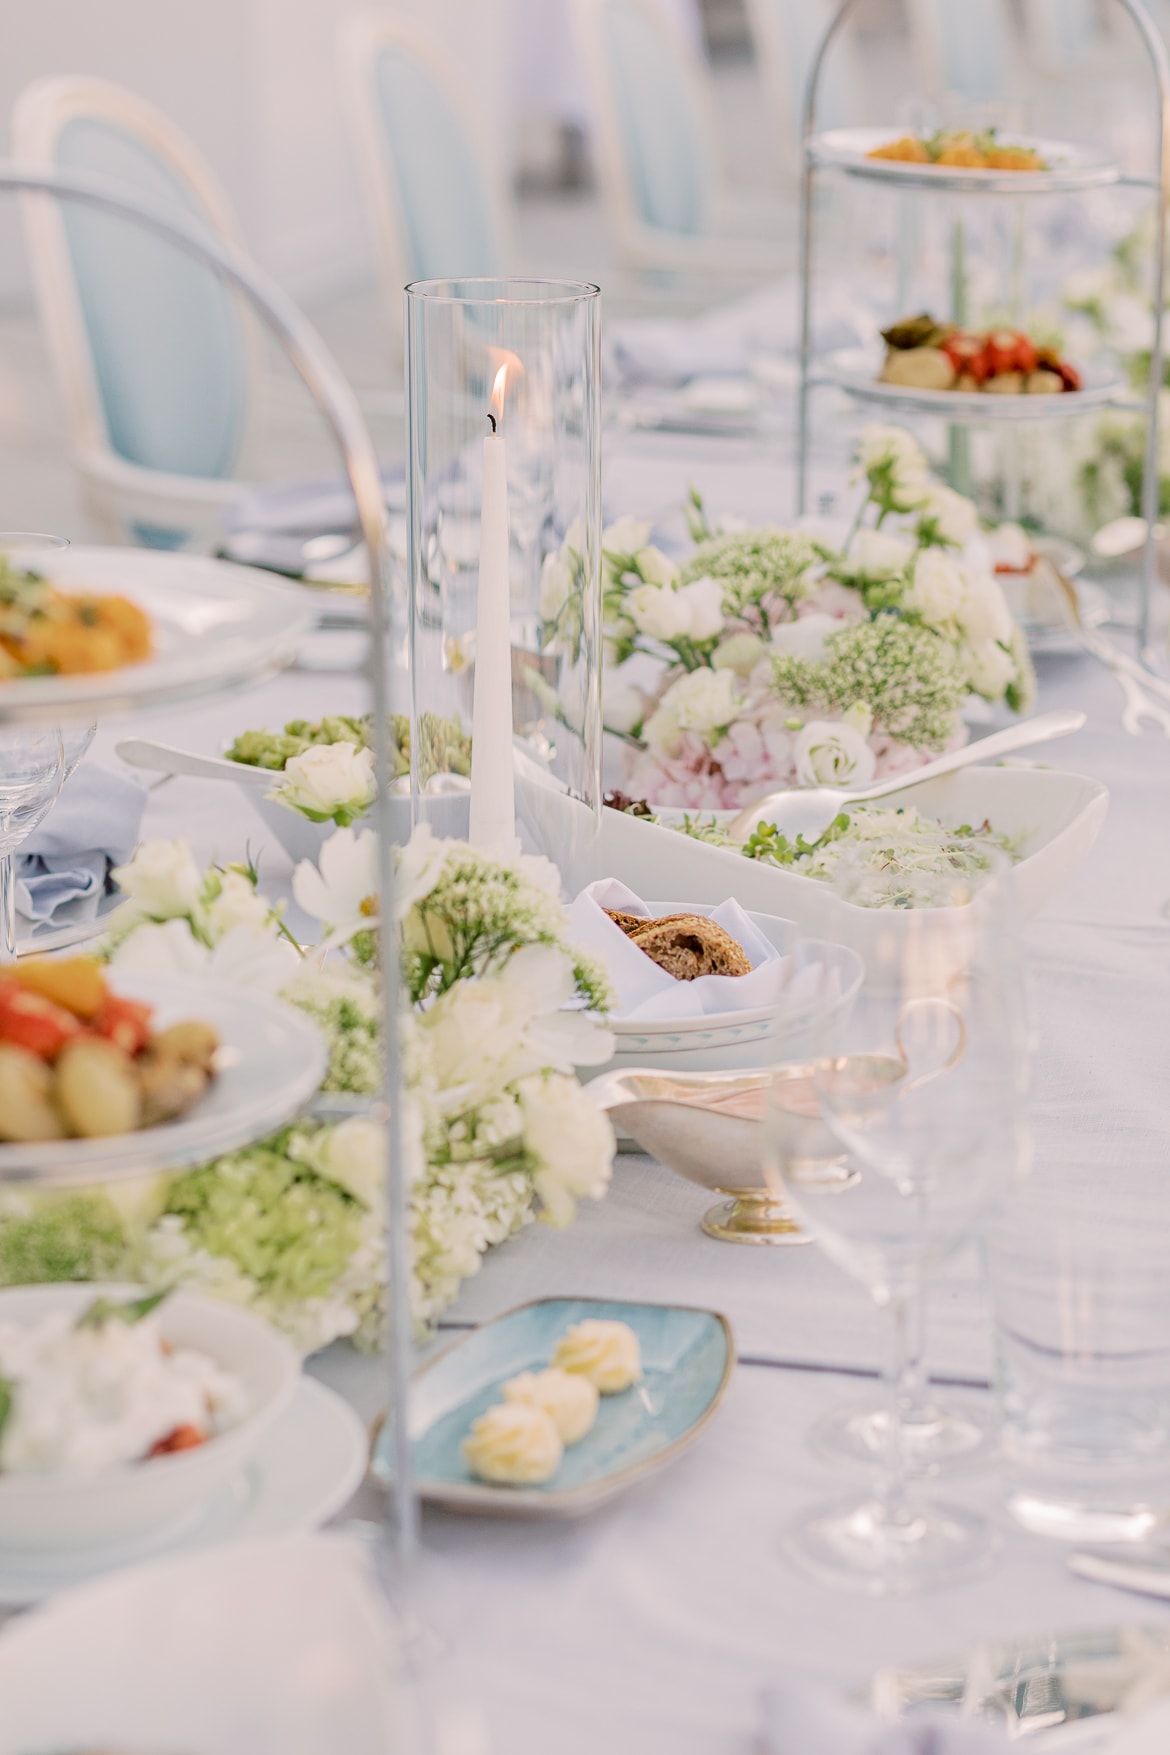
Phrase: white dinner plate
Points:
(1070, 167)
(271, 1060)
(304, 1470)
(216, 627)
(855, 370)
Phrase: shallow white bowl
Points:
(52, 1512)
(718, 1041)
(447, 813)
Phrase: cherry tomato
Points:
(33, 1022)
(1003, 351)
(968, 355)
(1026, 355)
(182, 1438)
(124, 1021)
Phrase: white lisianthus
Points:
(704, 601)
(418, 867)
(704, 700)
(162, 879)
(655, 567)
(878, 554)
(625, 536)
(660, 611)
(983, 612)
(897, 456)
(238, 904)
(739, 652)
(572, 1140)
(162, 948)
(623, 703)
(953, 516)
(938, 588)
(328, 780)
(341, 889)
(833, 753)
(805, 637)
(556, 582)
(989, 668)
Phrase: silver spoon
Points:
(808, 810)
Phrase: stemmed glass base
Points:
(867, 1545)
(936, 1437)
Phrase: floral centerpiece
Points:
(502, 1010)
(771, 657)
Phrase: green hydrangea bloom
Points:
(60, 1237)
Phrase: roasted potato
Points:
(919, 368)
(191, 1043)
(26, 1107)
(169, 1087)
(97, 1089)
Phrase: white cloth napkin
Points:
(646, 992)
(800, 1719)
(66, 861)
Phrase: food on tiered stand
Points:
(923, 354)
(959, 148)
(521, 1441)
(77, 1060)
(47, 632)
(82, 1395)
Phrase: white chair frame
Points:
(641, 246)
(359, 42)
(117, 493)
(772, 55)
(927, 50)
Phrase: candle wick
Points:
(492, 418)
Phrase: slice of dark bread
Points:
(690, 945)
(629, 923)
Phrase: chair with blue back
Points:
(968, 51)
(153, 356)
(786, 35)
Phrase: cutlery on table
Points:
(1141, 1567)
(163, 758)
(808, 810)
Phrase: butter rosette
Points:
(607, 1353)
(568, 1398)
(514, 1445)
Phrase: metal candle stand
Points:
(1160, 62)
(335, 399)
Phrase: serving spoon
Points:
(808, 810)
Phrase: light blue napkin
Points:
(66, 861)
(800, 1718)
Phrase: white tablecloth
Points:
(649, 1628)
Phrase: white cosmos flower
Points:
(419, 866)
(625, 536)
(953, 515)
(162, 878)
(983, 612)
(660, 611)
(572, 1140)
(938, 587)
(328, 779)
(833, 753)
(704, 601)
(341, 889)
(238, 904)
(805, 637)
(878, 554)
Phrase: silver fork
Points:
(1139, 707)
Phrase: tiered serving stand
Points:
(1072, 171)
(237, 666)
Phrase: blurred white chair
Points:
(968, 49)
(155, 360)
(430, 174)
(1072, 39)
(656, 145)
(786, 34)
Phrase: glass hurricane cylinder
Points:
(503, 384)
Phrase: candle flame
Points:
(506, 364)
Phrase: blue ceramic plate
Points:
(687, 1360)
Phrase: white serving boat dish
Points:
(51, 1513)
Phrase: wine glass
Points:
(922, 1091)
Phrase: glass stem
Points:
(914, 1399)
(7, 908)
(901, 1389)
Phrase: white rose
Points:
(881, 444)
(739, 652)
(572, 1141)
(237, 904)
(704, 601)
(831, 753)
(625, 536)
(983, 612)
(704, 700)
(655, 567)
(876, 554)
(659, 611)
(938, 587)
(989, 668)
(556, 582)
(328, 778)
(805, 637)
(353, 1154)
(623, 704)
(953, 515)
(162, 878)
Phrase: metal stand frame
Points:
(338, 405)
(1160, 62)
